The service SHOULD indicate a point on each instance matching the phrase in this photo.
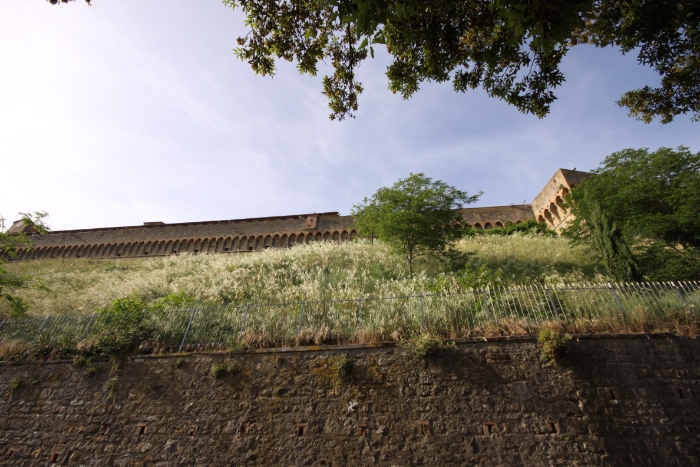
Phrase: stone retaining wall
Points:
(610, 402)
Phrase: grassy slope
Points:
(315, 271)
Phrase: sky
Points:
(138, 111)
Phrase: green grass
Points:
(318, 271)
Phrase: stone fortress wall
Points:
(255, 234)
(612, 401)
(548, 205)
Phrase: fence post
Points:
(680, 294)
(301, 314)
(245, 316)
(617, 299)
(486, 304)
(422, 313)
(41, 328)
(551, 299)
(43, 324)
(194, 310)
(359, 315)
(87, 328)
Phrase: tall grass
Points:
(318, 271)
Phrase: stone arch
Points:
(207, 244)
(292, 239)
(109, 250)
(45, 253)
(498, 224)
(335, 236)
(559, 202)
(196, 246)
(99, 250)
(267, 242)
(138, 248)
(31, 254)
(553, 209)
(80, 250)
(477, 225)
(564, 191)
(488, 226)
(326, 236)
(548, 216)
(344, 236)
(189, 245)
(35, 253)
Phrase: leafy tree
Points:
(654, 198)
(610, 244)
(511, 48)
(10, 244)
(416, 216)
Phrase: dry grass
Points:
(318, 271)
(11, 349)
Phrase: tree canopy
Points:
(511, 48)
(416, 216)
(654, 199)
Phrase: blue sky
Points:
(135, 111)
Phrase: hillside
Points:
(314, 271)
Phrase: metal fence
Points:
(615, 307)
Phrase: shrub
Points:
(121, 327)
(344, 367)
(179, 362)
(18, 383)
(52, 346)
(553, 345)
(79, 361)
(93, 370)
(426, 344)
(218, 370)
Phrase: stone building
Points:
(255, 234)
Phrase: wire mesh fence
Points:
(521, 309)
